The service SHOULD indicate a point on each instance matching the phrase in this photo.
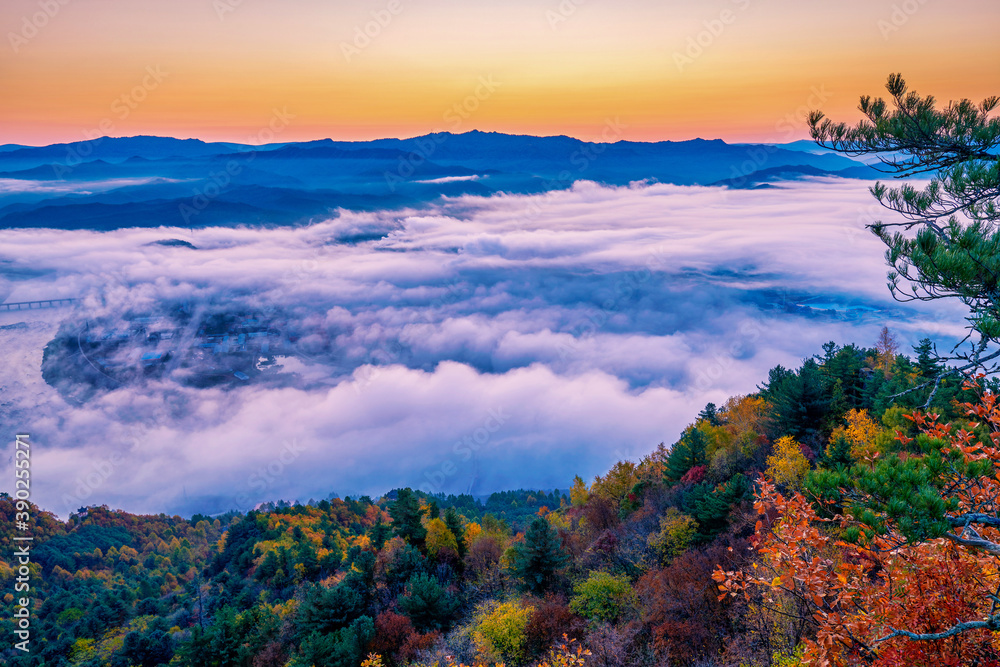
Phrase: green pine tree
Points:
(710, 414)
(536, 560)
(454, 523)
(379, 533)
(686, 454)
(307, 556)
(927, 363)
(268, 567)
(428, 604)
(944, 243)
(407, 518)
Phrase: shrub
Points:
(675, 535)
(551, 624)
(603, 597)
(501, 631)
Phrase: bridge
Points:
(35, 305)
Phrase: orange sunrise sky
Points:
(741, 70)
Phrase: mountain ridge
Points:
(154, 180)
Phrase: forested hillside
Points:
(622, 564)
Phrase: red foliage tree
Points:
(681, 606)
(550, 622)
(393, 632)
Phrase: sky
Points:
(741, 70)
(483, 343)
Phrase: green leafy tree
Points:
(944, 243)
(603, 597)
(675, 535)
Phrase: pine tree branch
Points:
(965, 519)
(976, 542)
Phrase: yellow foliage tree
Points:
(787, 466)
(616, 483)
(744, 415)
(675, 535)
(653, 465)
(862, 432)
(501, 631)
(81, 650)
(440, 537)
(578, 493)
(886, 347)
(472, 531)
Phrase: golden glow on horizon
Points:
(223, 73)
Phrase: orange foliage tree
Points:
(901, 568)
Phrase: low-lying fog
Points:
(478, 345)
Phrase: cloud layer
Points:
(481, 344)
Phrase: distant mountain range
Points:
(110, 183)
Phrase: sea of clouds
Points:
(475, 345)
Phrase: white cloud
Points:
(600, 319)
